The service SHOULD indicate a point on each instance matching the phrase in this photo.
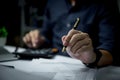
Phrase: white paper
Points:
(59, 68)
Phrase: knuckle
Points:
(75, 36)
(86, 34)
(88, 41)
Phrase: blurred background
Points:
(20, 16)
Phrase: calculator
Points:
(37, 53)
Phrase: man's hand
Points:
(33, 39)
(79, 46)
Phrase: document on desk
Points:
(59, 68)
(62, 68)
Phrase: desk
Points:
(63, 68)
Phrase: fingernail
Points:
(34, 45)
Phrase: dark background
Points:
(10, 16)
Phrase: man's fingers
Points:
(77, 37)
(27, 40)
(69, 36)
(63, 39)
(79, 44)
(35, 34)
(34, 37)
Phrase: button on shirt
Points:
(60, 17)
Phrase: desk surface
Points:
(62, 68)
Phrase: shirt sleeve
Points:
(107, 26)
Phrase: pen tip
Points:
(63, 49)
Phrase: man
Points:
(92, 42)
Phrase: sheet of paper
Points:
(60, 68)
(66, 69)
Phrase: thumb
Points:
(64, 41)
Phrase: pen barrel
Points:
(76, 23)
(74, 27)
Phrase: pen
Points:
(74, 27)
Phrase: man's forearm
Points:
(106, 58)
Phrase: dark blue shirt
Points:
(95, 19)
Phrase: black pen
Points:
(74, 27)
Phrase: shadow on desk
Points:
(7, 73)
(108, 73)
